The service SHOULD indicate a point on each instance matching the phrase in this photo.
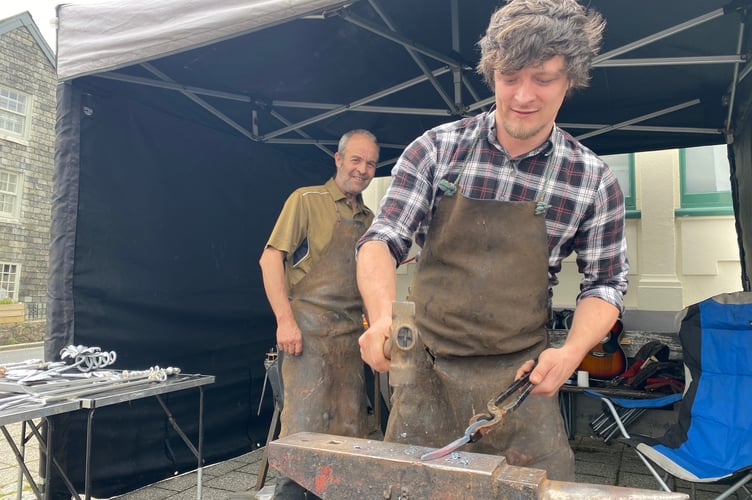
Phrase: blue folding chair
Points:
(711, 441)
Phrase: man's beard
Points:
(521, 132)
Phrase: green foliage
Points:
(7, 300)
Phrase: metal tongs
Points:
(481, 423)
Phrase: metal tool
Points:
(481, 423)
(269, 360)
(404, 344)
(88, 358)
(344, 467)
(99, 382)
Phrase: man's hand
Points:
(372, 346)
(289, 337)
(593, 318)
(555, 366)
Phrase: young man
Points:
(496, 202)
(308, 269)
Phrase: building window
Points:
(9, 276)
(14, 112)
(10, 194)
(705, 181)
(623, 167)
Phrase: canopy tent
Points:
(182, 127)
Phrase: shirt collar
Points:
(338, 196)
(331, 186)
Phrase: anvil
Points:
(343, 467)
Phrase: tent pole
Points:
(737, 222)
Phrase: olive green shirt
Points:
(304, 227)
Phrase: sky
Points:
(42, 11)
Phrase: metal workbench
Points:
(27, 416)
(105, 396)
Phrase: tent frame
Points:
(454, 106)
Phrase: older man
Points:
(308, 268)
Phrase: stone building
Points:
(27, 145)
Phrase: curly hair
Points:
(529, 32)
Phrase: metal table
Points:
(26, 417)
(111, 395)
(137, 390)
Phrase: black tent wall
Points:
(742, 181)
(170, 219)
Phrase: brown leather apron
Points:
(324, 387)
(481, 296)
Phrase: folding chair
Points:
(711, 441)
(627, 411)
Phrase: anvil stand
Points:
(273, 376)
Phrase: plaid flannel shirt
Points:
(585, 204)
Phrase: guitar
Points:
(607, 359)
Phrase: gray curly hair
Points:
(529, 32)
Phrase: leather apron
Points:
(324, 387)
(481, 297)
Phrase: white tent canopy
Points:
(113, 34)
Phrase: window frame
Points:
(13, 294)
(11, 134)
(16, 214)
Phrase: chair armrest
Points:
(637, 403)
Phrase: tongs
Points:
(481, 423)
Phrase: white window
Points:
(9, 276)
(707, 170)
(705, 180)
(622, 166)
(14, 112)
(10, 194)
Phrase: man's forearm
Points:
(377, 280)
(275, 284)
(377, 284)
(592, 320)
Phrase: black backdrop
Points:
(169, 229)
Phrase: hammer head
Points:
(404, 342)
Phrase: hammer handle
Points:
(388, 348)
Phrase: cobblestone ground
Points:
(9, 470)
(617, 464)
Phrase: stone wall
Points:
(24, 67)
(22, 333)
